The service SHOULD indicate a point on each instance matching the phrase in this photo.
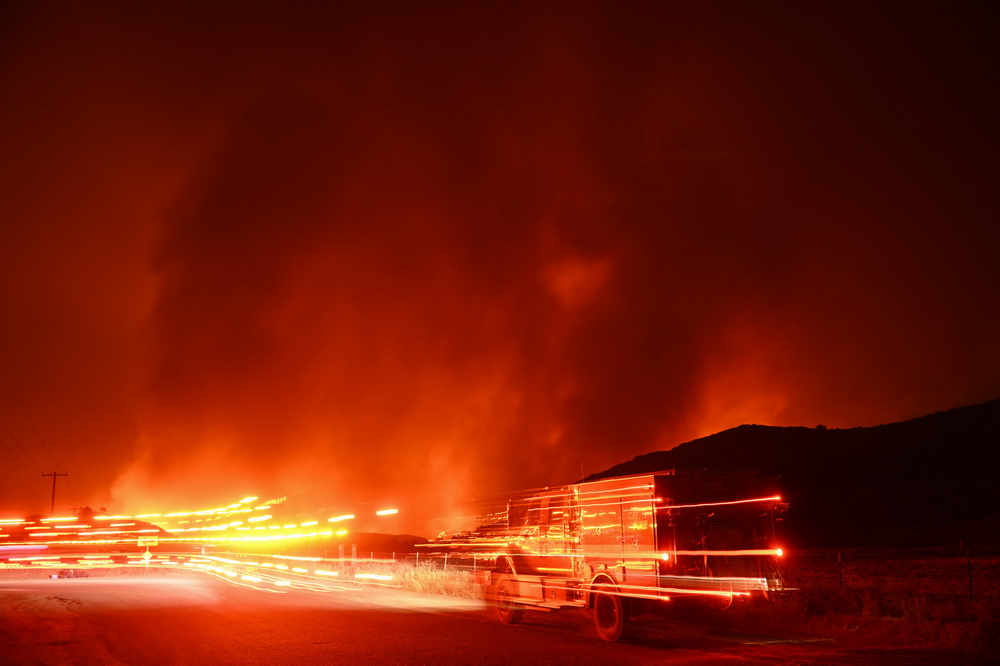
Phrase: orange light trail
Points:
(775, 498)
(777, 552)
(216, 525)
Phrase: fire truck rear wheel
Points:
(609, 613)
(508, 612)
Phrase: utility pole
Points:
(54, 475)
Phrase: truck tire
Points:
(508, 611)
(610, 616)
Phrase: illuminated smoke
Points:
(424, 265)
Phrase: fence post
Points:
(446, 561)
(473, 561)
(968, 563)
(840, 570)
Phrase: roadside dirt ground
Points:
(57, 624)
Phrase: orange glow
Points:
(287, 326)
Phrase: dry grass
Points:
(428, 578)
(907, 597)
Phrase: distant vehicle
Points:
(627, 545)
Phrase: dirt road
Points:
(195, 619)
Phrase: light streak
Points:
(775, 498)
(734, 553)
(386, 512)
(202, 526)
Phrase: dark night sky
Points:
(420, 251)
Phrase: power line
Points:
(23, 451)
(15, 455)
(72, 495)
(37, 434)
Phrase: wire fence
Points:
(927, 572)
(351, 555)
(917, 571)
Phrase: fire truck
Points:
(626, 546)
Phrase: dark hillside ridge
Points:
(931, 481)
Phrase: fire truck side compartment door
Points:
(601, 520)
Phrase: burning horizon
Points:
(340, 258)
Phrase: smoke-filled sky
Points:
(407, 253)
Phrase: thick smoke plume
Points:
(425, 255)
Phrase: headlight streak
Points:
(371, 576)
(243, 522)
(256, 573)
